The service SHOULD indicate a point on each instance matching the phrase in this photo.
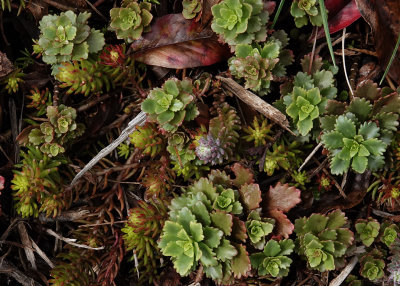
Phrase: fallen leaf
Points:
(177, 43)
(6, 66)
(383, 18)
(342, 13)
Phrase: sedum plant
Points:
(141, 233)
(372, 265)
(259, 65)
(147, 139)
(131, 20)
(37, 183)
(59, 128)
(85, 77)
(39, 100)
(67, 37)
(304, 10)
(13, 80)
(282, 155)
(273, 260)
(240, 21)
(170, 105)
(367, 230)
(191, 8)
(323, 240)
(258, 132)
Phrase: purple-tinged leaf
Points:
(177, 43)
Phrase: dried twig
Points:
(256, 102)
(139, 120)
(71, 241)
(42, 254)
(26, 241)
(93, 103)
(9, 269)
(310, 156)
(345, 272)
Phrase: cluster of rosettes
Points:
(323, 240)
(131, 20)
(259, 65)
(170, 105)
(67, 37)
(59, 128)
(358, 134)
(308, 96)
(240, 21)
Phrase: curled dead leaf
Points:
(175, 42)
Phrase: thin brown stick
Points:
(9, 269)
(345, 272)
(60, 6)
(256, 102)
(93, 103)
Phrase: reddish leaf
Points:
(283, 226)
(177, 43)
(282, 197)
(239, 229)
(342, 13)
(270, 6)
(250, 196)
(1, 182)
(383, 17)
(242, 174)
(241, 262)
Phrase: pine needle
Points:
(391, 60)
(278, 12)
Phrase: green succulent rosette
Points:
(131, 20)
(191, 8)
(350, 145)
(240, 21)
(304, 10)
(67, 37)
(170, 105)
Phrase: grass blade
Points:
(326, 28)
(391, 60)
(278, 12)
